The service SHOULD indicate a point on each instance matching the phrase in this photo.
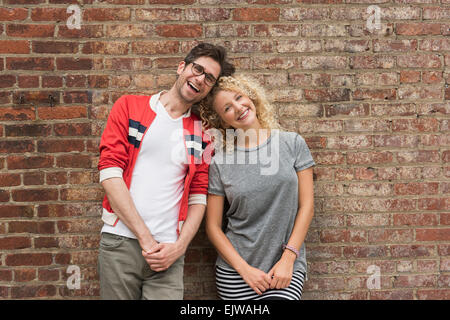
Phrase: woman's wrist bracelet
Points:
(285, 246)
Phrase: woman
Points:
(261, 252)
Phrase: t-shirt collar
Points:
(154, 102)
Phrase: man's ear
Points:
(181, 67)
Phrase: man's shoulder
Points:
(133, 98)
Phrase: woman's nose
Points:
(237, 107)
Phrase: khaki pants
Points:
(125, 275)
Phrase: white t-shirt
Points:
(157, 182)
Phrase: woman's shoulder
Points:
(290, 136)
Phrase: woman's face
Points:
(236, 110)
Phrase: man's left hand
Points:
(163, 255)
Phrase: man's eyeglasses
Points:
(198, 70)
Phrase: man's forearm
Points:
(190, 226)
(121, 202)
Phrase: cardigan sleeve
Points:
(114, 140)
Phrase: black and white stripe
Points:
(194, 144)
(231, 286)
(135, 132)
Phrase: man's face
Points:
(192, 88)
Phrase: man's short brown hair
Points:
(215, 52)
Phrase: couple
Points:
(155, 199)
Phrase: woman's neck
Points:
(252, 137)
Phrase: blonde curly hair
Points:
(243, 85)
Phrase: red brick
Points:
(418, 29)
(74, 63)
(372, 62)
(14, 46)
(331, 236)
(4, 196)
(33, 195)
(180, 31)
(433, 234)
(5, 275)
(434, 204)
(327, 95)
(415, 281)
(433, 294)
(9, 179)
(329, 157)
(374, 94)
(73, 161)
(106, 14)
(33, 178)
(207, 14)
(30, 30)
(29, 162)
(87, 31)
(24, 1)
(419, 61)
(14, 243)
(29, 259)
(48, 275)
(415, 219)
(408, 76)
(82, 97)
(17, 114)
(7, 81)
(79, 225)
(46, 243)
(83, 194)
(77, 80)
(38, 64)
(416, 188)
(16, 211)
(106, 48)
(177, 2)
(16, 146)
(56, 178)
(28, 81)
(392, 295)
(25, 275)
(48, 113)
(445, 218)
(59, 210)
(33, 291)
(347, 109)
(49, 14)
(391, 235)
(28, 130)
(256, 14)
(418, 156)
(52, 81)
(159, 14)
(11, 14)
(54, 47)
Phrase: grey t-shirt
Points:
(261, 187)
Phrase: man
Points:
(155, 182)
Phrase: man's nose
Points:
(200, 78)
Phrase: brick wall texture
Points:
(373, 104)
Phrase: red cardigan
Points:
(127, 124)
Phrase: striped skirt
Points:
(231, 286)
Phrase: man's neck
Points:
(174, 105)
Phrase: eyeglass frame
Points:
(203, 72)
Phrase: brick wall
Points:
(372, 103)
